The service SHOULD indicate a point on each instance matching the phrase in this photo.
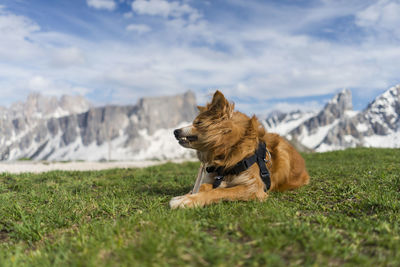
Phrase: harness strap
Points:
(264, 173)
(258, 156)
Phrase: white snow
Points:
(163, 145)
(312, 140)
(362, 127)
(286, 126)
(348, 138)
(350, 113)
(389, 141)
(58, 113)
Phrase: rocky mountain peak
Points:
(165, 112)
(384, 112)
(337, 107)
(40, 106)
(333, 111)
(342, 100)
(389, 98)
(74, 104)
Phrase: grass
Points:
(348, 215)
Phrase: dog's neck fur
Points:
(241, 145)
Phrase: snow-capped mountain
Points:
(378, 125)
(141, 131)
(338, 126)
(283, 123)
(312, 131)
(69, 128)
(21, 118)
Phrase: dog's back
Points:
(288, 167)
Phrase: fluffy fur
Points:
(223, 137)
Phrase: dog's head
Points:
(217, 128)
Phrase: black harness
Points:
(258, 156)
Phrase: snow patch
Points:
(284, 127)
(312, 140)
(163, 145)
(362, 127)
(389, 141)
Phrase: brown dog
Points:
(223, 138)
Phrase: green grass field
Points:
(349, 214)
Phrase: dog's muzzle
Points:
(182, 138)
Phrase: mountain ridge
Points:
(70, 128)
(338, 126)
(109, 132)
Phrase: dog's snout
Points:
(177, 133)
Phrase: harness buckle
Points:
(219, 177)
(218, 180)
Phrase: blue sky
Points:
(264, 55)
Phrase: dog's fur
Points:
(223, 137)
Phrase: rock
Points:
(95, 132)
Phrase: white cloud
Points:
(382, 15)
(249, 59)
(165, 9)
(128, 15)
(139, 28)
(47, 86)
(102, 4)
(66, 57)
(14, 42)
(39, 83)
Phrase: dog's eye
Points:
(197, 122)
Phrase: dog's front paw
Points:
(185, 201)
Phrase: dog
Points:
(226, 142)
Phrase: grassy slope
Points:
(349, 214)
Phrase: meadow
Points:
(349, 214)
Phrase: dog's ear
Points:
(201, 108)
(219, 103)
(255, 127)
(218, 97)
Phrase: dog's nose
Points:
(177, 132)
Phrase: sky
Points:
(263, 55)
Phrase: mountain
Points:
(313, 130)
(338, 126)
(39, 106)
(283, 123)
(378, 125)
(141, 131)
(69, 128)
(21, 118)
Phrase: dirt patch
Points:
(3, 236)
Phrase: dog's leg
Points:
(205, 187)
(295, 182)
(240, 192)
